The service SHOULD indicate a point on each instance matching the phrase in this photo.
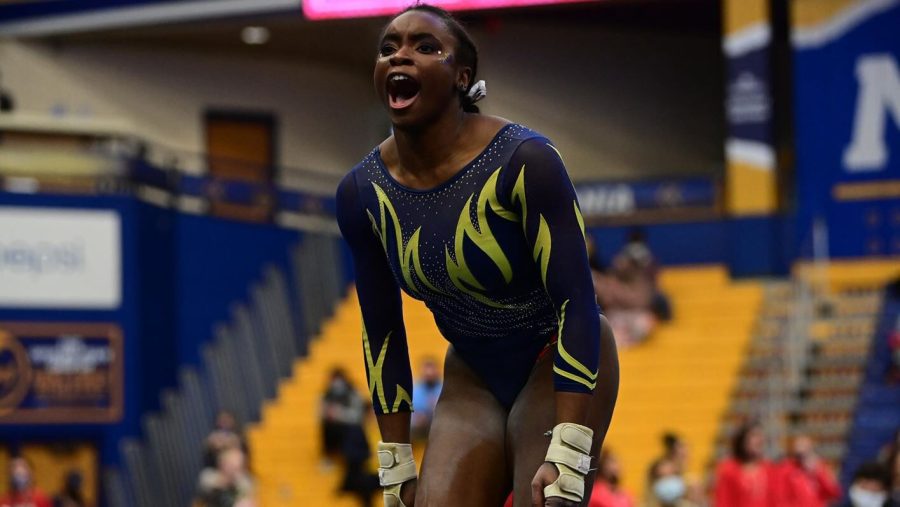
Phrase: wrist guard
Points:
(569, 451)
(396, 465)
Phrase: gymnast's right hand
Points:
(397, 474)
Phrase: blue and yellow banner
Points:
(751, 169)
(846, 57)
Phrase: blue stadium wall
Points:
(180, 276)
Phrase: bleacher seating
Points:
(666, 382)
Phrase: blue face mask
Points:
(20, 482)
(669, 489)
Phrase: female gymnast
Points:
(475, 216)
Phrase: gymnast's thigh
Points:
(465, 458)
(534, 413)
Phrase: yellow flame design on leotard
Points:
(479, 232)
(408, 253)
(375, 370)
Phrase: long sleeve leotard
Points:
(497, 253)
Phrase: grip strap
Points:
(569, 451)
(396, 465)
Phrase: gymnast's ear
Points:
(464, 78)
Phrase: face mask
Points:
(20, 482)
(339, 387)
(669, 489)
(863, 498)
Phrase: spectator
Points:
(607, 491)
(628, 292)
(869, 487)
(668, 487)
(229, 484)
(341, 407)
(343, 413)
(425, 396)
(226, 434)
(745, 479)
(804, 480)
(890, 457)
(22, 491)
(71, 495)
(674, 450)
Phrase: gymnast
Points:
(475, 216)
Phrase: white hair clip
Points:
(478, 91)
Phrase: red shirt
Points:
(604, 496)
(800, 487)
(740, 485)
(30, 498)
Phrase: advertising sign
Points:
(60, 373)
(60, 258)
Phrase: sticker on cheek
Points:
(446, 58)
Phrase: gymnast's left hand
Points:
(545, 476)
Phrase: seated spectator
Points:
(746, 478)
(71, 494)
(425, 396)
(667, 487)
(869, 487)
(228, 484)
(22, 491)
(607, 491)
(226, 434)
(628, 293)
(343, 413)
(340, 408)
(804, 480)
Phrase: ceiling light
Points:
(255, 35)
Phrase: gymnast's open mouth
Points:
(402, 90)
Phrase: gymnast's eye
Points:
(427, 48)
(387, 50)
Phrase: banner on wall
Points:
(751, 168)
(847, 122)
(60, 373)
(60, 258)
(600, 201)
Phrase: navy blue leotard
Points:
(497, 253)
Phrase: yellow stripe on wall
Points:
(741, 14)
(750, 190)
(809, 13)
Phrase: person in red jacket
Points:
(22, 492)
(804, 480)
(607, 490)
(746, 478)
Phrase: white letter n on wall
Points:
(879, 94)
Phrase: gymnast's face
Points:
(417, 76)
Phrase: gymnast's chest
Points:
(460, 241)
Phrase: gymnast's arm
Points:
(384, 335)
(541, 192)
